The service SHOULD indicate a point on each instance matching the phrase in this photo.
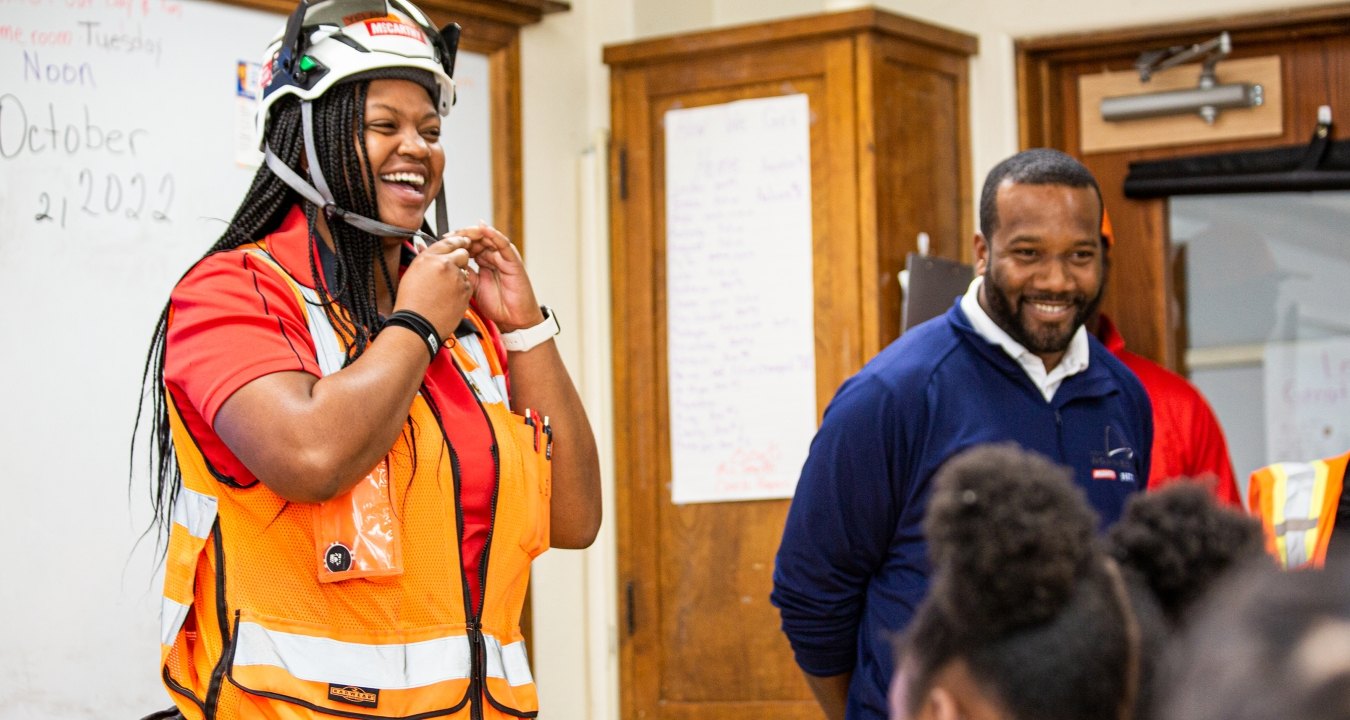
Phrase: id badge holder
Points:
(356, 535)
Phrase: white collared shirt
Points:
(1075, 358)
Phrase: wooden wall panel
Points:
(922, 185)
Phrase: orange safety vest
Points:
(1297, 504)
(255, 625)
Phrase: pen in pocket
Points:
(529, 420)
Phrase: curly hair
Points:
(1053, 623)
(1178, 541)
(1020, 592)
(1009, 537)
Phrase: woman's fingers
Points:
(495, 235)
(453, 250)
(484, 234)
(489, 247)
(449, 243)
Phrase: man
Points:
(1010, 362)
(1187, 439)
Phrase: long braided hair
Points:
(348, 297)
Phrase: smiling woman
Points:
(339, 452)
(402, 137)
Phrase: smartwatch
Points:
(526, 338)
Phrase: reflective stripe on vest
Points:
(487, 382)
(196, 514)
(389, 666)
(327, 346)
(1297, 498)
(1298, 491)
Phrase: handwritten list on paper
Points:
(739, 300)
(1307, 394)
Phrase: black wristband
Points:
(419, 325)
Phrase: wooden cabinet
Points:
(887, 98)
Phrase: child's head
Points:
(1177, 542)
(1026, 618)
(1267, 644)
(1030, 616)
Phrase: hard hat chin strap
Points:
(320, 195)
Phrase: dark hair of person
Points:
(1265, 644)
(1020, 592)
(1178, 541)
(1037, 166)
(1172, 545)
(348, 297)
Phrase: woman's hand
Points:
(438, 284)
(502, 288)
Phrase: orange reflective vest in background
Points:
(1297, 504)
(256, 623)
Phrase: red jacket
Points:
(1187, 439)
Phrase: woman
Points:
(1027, 618)
(355, 486)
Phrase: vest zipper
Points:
(470, 621)
(478, 666)
(212, 700)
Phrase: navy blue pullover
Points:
(853, 567)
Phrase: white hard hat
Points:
(327, 42)
(330, 41)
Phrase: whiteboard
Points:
(120, 161)
(740, 317)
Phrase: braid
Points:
(358, 252)
(348, 299)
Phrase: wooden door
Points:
(700, 639)
(1142, 295)
(886, 97)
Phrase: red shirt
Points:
(1187, 439)
(235, 320)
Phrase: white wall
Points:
(565, 106)
(575, 601)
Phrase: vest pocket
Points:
(536, 450)
(357, 534)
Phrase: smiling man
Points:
(1010, 361)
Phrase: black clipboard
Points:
(934, 284)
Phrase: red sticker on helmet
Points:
(265, 76)
(394, 27)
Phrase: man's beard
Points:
(1047, 340)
